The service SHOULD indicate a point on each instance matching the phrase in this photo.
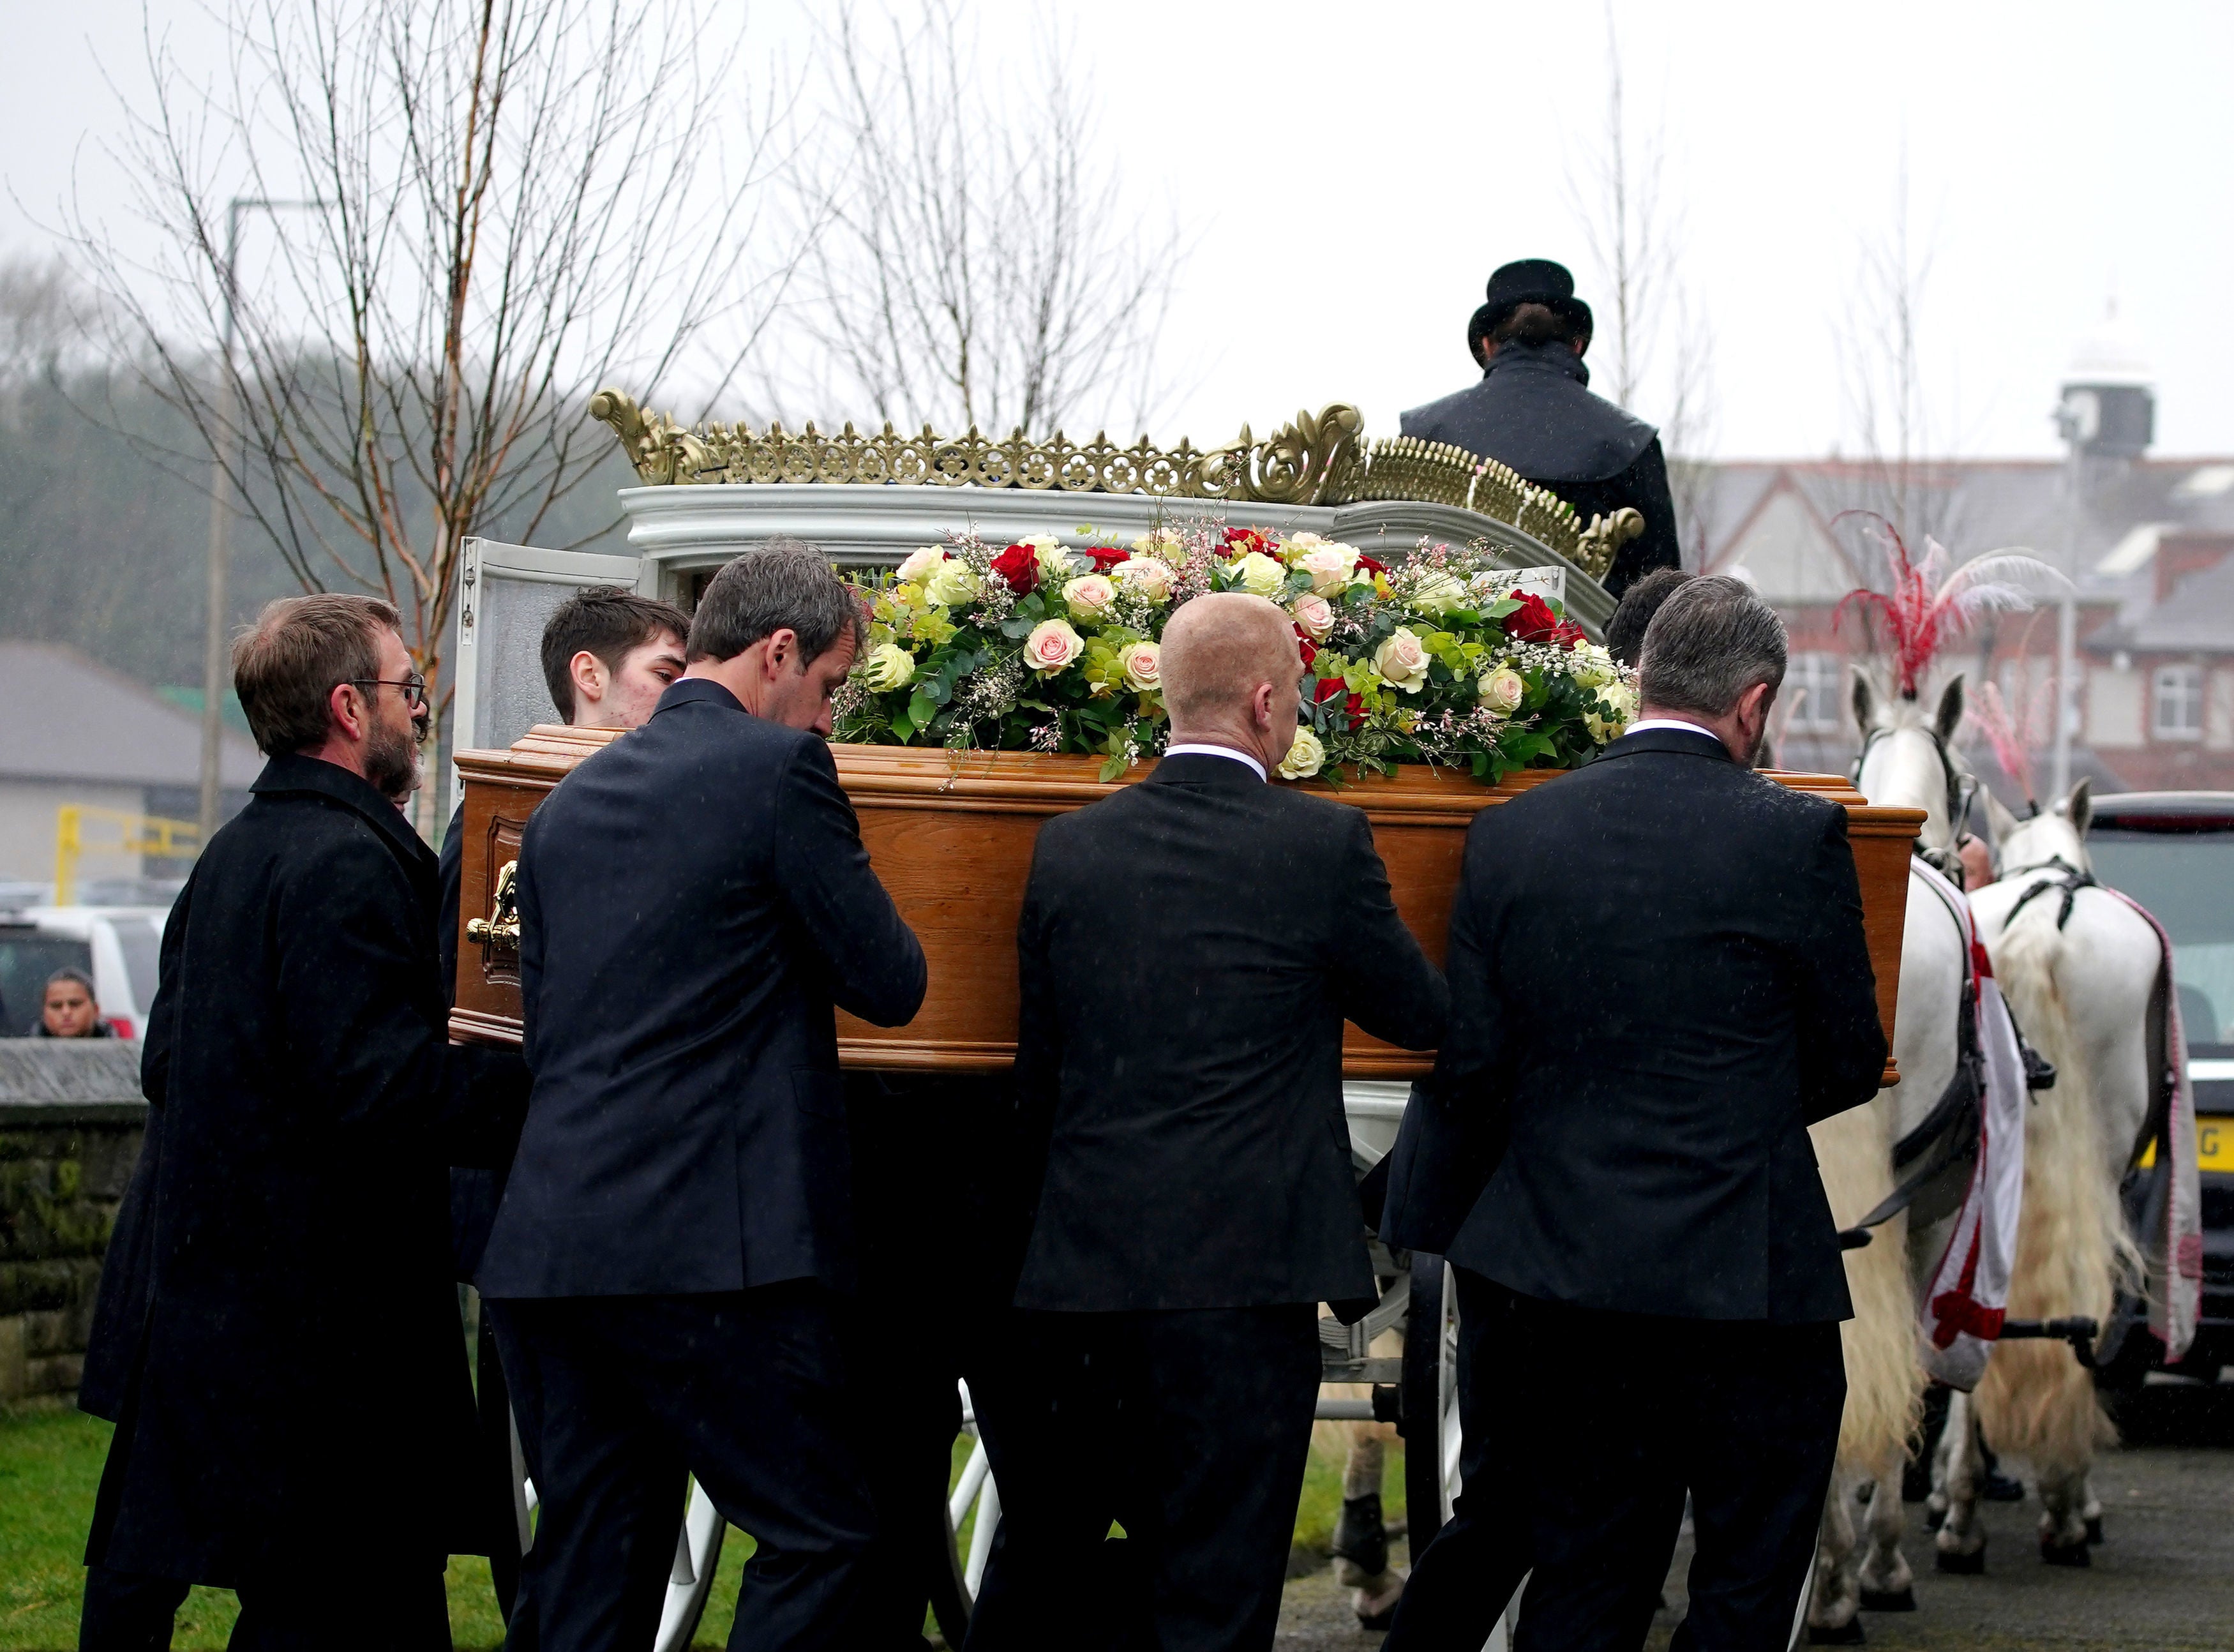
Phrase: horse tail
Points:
(1884, 1377)
(2036, 1400)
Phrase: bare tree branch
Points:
(466, 214)
(970, 270)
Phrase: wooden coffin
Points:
(952, 839)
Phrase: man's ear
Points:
(346, 711)
(588, 674)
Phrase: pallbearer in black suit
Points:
(1189, 950)
(1658, 981)
(607, 654)
(668, 1255)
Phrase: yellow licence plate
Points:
(2214, 1144)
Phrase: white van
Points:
(118, 946)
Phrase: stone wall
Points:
(71, 1122)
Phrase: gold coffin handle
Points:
(501, 926)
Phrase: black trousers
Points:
(1191, 1428)
(936, 1273)
(127, 1611)
(1623, 1413)
(501, 1406)
(1462, 1581)
(309, 1611)
(746, 1390)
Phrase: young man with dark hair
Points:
(607, 654)
(1533, 410)
(291, 1321)
(1625, 632)
(695, 903)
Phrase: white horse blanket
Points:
(1967, 1296)
(2173, 1253)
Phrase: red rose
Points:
(1019, 567)
(1309, 649)
(1370, 567)
(1328, 689)
(1106, 556)
(1356, 707)
(1532, 621)
(1567, 634)
(1242, 541)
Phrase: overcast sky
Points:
(1352, 175)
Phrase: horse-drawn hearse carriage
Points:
(950, 831)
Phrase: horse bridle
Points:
(1961, 796)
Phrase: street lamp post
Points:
(214, 674)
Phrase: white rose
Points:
(1437, 593)
(1048, 552)
(1259, 575)
(1089, 596)
(1502, 691)
(1299, 543)
(1144, 667)
(1314, 616)
(1612, 713)
(1051, 646)
(920, 564)
(1591, 666)
(887, 668)
(952, 584)
(1152, 579)
(1305, 757)
(1402, 661)
(1330, 567)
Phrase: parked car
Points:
(2173, 851)
(118, 946)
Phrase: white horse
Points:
(2079, 968)
(1904, 764)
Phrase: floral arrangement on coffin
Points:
(1036, 647)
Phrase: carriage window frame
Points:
(2176, 702)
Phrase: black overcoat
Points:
(1533, 410)
(300, 1360)
(1658, 981)
(1188, 951)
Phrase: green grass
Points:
(50, 1460)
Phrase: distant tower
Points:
(2109, 404)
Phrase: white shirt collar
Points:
(1672, 722)
(1216, 751)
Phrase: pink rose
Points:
(1051, 646)
(1143, 663)
(1314, 616)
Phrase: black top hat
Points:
(1529, 281)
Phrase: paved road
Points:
(2163, 1580)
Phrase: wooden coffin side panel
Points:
(951, 837)
(952, 842)
(502, 789)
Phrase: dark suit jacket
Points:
(1658, 981)
(1189, 950)
(297, 1236)
(692, 900)
(1533, 411)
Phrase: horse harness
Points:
(1934, 1160)
(1961, 796)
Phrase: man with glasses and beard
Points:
(295, 1328)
